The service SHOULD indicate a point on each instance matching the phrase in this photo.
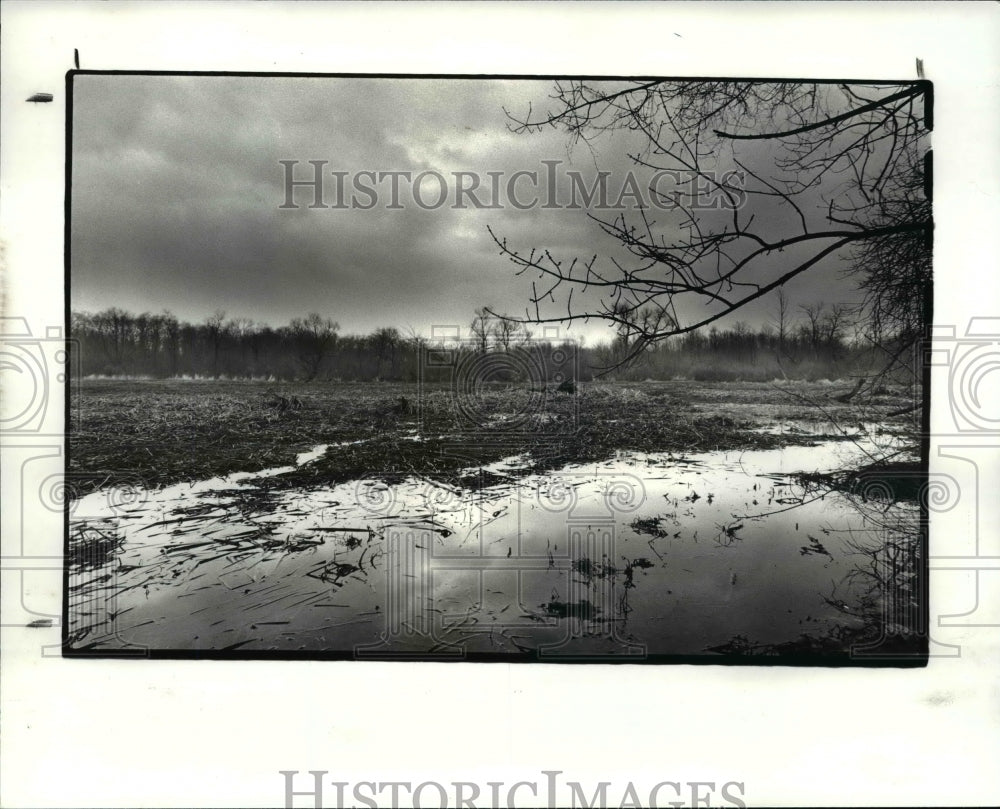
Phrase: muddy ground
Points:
(668, 520)
(161, 432)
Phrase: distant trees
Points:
(216, 329)
(118, 343)
(824, 327)
(313, 338)
(771, 180)
(499, 331)
(631, 326)
(110, 332)
(781, 317)
(116, 337)
(508, 333)
(385, 344)
(743, 353)
(481, 329)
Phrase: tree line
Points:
(825, 169)
(811, 343)
(115, 342)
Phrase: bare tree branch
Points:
(846, 162)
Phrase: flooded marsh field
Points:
(624, 522)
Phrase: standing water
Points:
(641, 554)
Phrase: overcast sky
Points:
(178, 188)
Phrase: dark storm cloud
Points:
(177, 189)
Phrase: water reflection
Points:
(729, 552)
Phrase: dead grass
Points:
(157, 432)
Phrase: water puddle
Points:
(859, 431)
(640, 554)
